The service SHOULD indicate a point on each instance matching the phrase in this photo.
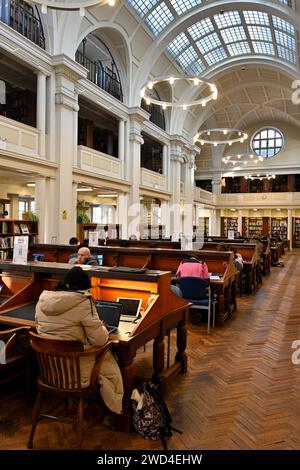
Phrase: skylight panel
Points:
(181, 6)
(286, 54)
(215, 56)
(279, 23)
(201, 28)
(260, 33)
(233, 34)
(143, 6)
(208, 43)
(187, 57)
(196, 69)
(256, 17)
(286, 2)
(285, 40)
(228, 18)
(239, 48)
(159, 19)
(178, 45)
(263, 48)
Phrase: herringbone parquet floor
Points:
(241, 390)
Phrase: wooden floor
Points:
(241, 390)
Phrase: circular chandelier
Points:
(242, 159)
(179, 104)
(201, 136)
(260, 177)
(71, 6)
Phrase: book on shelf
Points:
(17, 229)
(24, 229)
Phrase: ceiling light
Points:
(107, 195)
(83, 189)
(236, 132)
(30, 185)
(197, 81)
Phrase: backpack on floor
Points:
(151, 417)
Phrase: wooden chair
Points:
(15, 356)
(59, 369)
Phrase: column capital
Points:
(68, 68)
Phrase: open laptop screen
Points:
(109, 313)
(131, 308)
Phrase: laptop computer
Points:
(131, 308)
(109, 313)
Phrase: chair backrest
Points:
(193, 287)
(59, 361)
(13, 343)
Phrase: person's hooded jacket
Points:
(72, 315)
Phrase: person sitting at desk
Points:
(83, 256)
(238, 259)
(69, 312)
(192, 266)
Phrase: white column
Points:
(176, 160)
(165, 161)
(290, 228)
(165, 217)
(189, 200)
(240, 224)
(66, 147)
(121, 145)
(126, 163)
(215, 222)
(40, 201)
(121, 215)
(50, 112)
(216, 185)
(41, 111)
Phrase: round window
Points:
(267, 142)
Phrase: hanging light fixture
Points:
(242, 159)
(239, 136)
(172, 80)
(70, 6)
(260, 177)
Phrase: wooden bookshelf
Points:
(279, 224)
(84, 229)
(296, 232)
(228, 223)
(9, 228)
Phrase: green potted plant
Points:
(82, 208)
(30, 215)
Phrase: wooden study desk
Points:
(163, 311)
(220, 263)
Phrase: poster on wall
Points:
(230, 234)
(20, 250)
(93, 238)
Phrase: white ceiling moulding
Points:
(71, 6)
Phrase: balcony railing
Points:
(20, 16)
(104, 78)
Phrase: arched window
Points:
(94, 55)
(267, 142)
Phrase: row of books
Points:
(7, 242)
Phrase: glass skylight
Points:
(239, 48)
(208, 43)
(233, 34)
(181, 6)
(216, 38)
(159, 18)
(178, 44)
(201, 28)
(143, 6)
